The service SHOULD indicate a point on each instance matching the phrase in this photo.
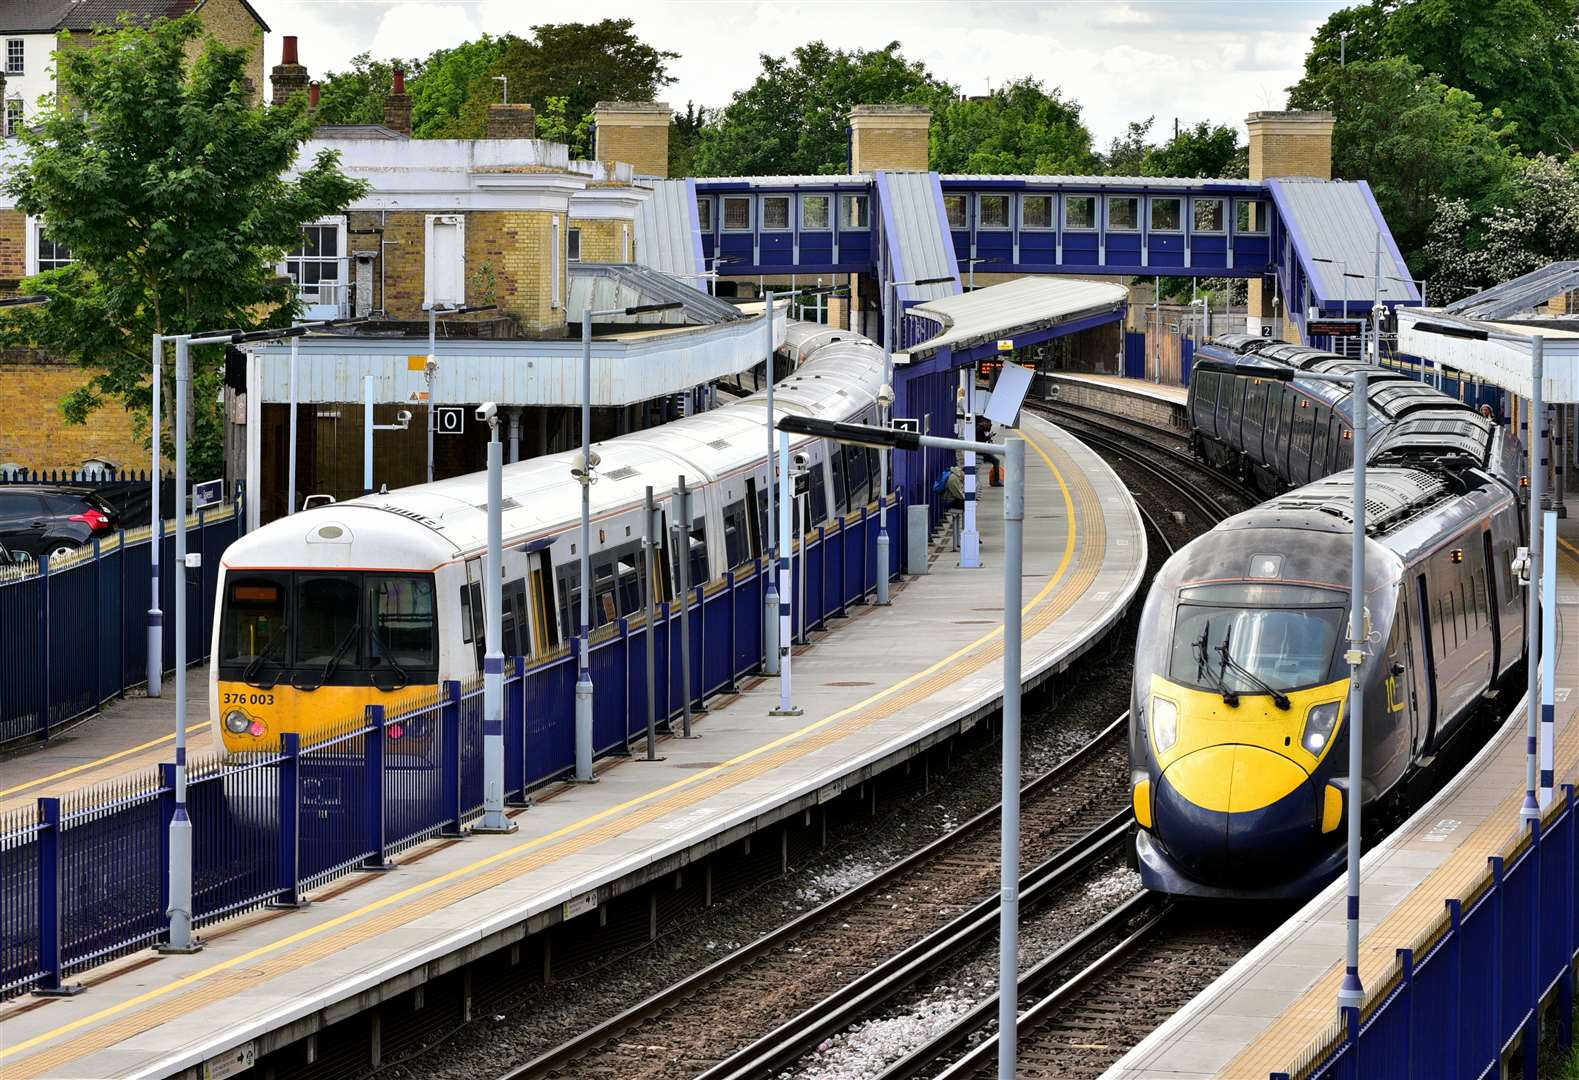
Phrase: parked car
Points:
(38, 520)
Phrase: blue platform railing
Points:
(83, 879)
(75, 631)
(1477, 981)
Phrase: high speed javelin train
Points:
(377, 600)
(1239, 730)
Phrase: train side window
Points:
(819, 495)
(736, 550)
(1468, 620)
(873, 472)
(1274, 412)
(1236, 400)
(860, 480)
(628, 571)
(843, 495)
(699, 574)
(605, 603)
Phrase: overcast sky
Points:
(1121, 59)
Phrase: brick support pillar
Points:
(889, 137)
(1285, 144)
(635, 132)
(511, 122)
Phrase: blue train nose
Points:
(1232, 811)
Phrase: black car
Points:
(38, 520)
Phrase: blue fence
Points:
(1475, 982)
(83, 880)
(1134, 354)
(76, 633)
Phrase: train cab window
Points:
(328, 622)
(402, 623)
(255, 622)
(855, 467)
(819, 495)
(1286, 635)
(736, 548)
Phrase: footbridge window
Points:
(1080, 212)
(737, 213)
(853, 212)
(1250, 216)
(704, 213)
(1208, 215)
(1166, 215)
(775, 213)
(814, 216)
(994, 211)
(1036, 212)
(954, 207)
(1123, 213)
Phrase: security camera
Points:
(487, 411)
(403, 416)
(885, 396)
(580, 469)
(802, 459)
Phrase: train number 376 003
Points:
(248, 699)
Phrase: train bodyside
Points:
(378, 600)
(1248, 800)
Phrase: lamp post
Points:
(1012, 451)
(885, 401)
(786, 705)
(156, 532)
(581, 470)
(493, 819)
(770, 592)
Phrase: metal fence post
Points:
(1498, 911)
(1532, 1026)
(450, 755)
(98, 666)
(701, 651)
(373, 753)
(43, 647)
(120, 665)
(1406, 960)
(515, 707)
(730, 687)
(49, 921)
(288, 796)
(1455, 995)
(1565, 1010)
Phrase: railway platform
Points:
(1267, 1011)
(1158, 404)
(888, 684)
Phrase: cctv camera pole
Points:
(493, 819)
(428, 371)
(155, 537)
(650, 540)
(1548, 654)
(1531, 811)
(786, 590)
(970, 537)
(1352, 993)
(584, 646)
(290, 468)
(1009, 877)
(367, 434)
(680, 505)
(885, 396)
(770, 593)
(180, 910)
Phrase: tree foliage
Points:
(1019, 128)
(172, 195)
(1519, 57)
(792, 118)
(684, 135)
(448, 78)
(356, 95)
(1533, 221)
(1204, 150)
(1126, 155)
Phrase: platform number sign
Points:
(907, 423)
(208, 493)
(449, 419)
(1266, 330)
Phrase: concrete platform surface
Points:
(891, 680)
(1173, 395)
(1266, 1010)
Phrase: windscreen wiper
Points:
(1279, 698)
(386, 657)
(257, 661)
(334, 659)
(1203, 670)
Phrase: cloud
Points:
(1124, 15)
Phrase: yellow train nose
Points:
(1234, 778)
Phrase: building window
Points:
(1036, 212)
(1123, 213)
(994, 211)
(737, 213)
(1165, 215)
(13, 117)
(15, 53)
(704, 213)
(853, 212)
(444, 279)
(1080, 211)
(573, 244)
(954, 207)
(1249, 216)
(775, 213)
(1208, 215)
(814, 216)
(314, 267)
(51, 256)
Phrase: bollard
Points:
(916, 539)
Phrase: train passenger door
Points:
(1402, 696)
(1493, 609)
(1424, 663)
(545, 621)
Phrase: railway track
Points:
(1072, 816)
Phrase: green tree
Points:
(1205, 150)
(1414, 139)
(792, 118)
(1126, 155)
(684, 135)
(356, 95)
(584, 63)
(171, 194)
(1519, 57)
(557, 125)
(1533, 221)
(448, 78)
(1018, 128)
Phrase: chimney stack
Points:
(289, 76)
(397, 106)
(312, 97)
(511, 122)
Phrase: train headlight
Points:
(1319, 723)
(236, 721)
(1164, 723)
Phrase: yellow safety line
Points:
(191, 730)
(511, 852)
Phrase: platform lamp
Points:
(582, 470)
(885, 410)
(1539, 573)
(493, 818)
(1012, 451)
